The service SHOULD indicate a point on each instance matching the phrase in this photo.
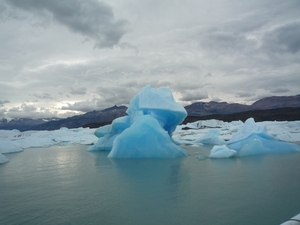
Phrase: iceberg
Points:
(253, 139)
(108, 133)
(146, 132)
(222, 152)
(211, 137)
(8, 146)
(145, 138)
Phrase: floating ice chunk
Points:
(221, 152)
(253, 146)
(108, 133)
(293, 221)
(120, 124)
(211, 137)
(35, 141)
(249, 127)
(290, 137)
(201, 157)
(72, 136)
(285, 130)
(8, 146)
(253, 139)
(102, 131)
(103, 144)
(10, 133)
(145, 138)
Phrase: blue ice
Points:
(222, 151)
(145, 138)
(108, 133)
(147, 131)
(160, 104)
(253, 139)
(211, 137)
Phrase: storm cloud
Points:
(93, 19)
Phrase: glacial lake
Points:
(68, 185)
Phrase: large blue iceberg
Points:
(147, 131)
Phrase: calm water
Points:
(68, 185)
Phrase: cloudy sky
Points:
(66, 57)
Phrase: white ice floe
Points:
(16, 141)
(212, 137)
(9, 146)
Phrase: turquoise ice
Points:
(253, 139)
(146, 132)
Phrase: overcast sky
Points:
(66, 57)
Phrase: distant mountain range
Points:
(89, 119)
(210, 108)
(270, 108)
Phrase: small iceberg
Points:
(253, 139)
(222, 152)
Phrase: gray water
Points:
(68, 185)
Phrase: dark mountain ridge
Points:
(209, 108)
(101, 117)
(276, 102)
(270, 108)
(278, 114)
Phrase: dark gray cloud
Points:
(116, 95)
(91, 18)
(218, 40)
(243, 94)
(280, 90)
(283, 38)
(193, 95)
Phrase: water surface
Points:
(68, 185)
